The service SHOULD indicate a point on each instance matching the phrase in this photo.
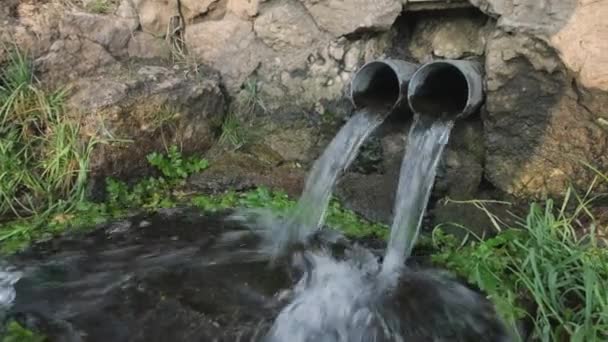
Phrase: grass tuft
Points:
(99, 6)
(43, 160)
(233, 135)
(545, 270)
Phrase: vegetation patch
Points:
(14, 332)
(43, 158)
(544, 271)
(100, 6)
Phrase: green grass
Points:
(16, 333)
(233, 135)
(99, 6)
(345, 220)
(153, 193)
(43, 159)
(544, 263)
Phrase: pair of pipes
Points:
(448, 88)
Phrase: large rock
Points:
(143, 111)
(32, 27)
(71, 58)
(87, 43)
(244, 8)
(112, 33)
(126, 10)
(449, 36)
(538, 136)
(193, 8)
(582, 44)
(156, 17)
(229, 45)
(344, 17)
(146, 46)
(577, 29)
(286, 25)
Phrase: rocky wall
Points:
(282, 68)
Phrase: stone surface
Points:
(539, 17)
(459, 173)
(112, 33)
(341, 17)
(193, 8)
(536, 131)
(371, 196)
(146, 46)
(152, 108)
(244, 8)
(229, 45)
(32, 27)
(127, 11)
(575, 28)
(451, 36)
(286, 25)
(582, 44)
(292, 143)
(155, 17)
(242, 171)
(71, 58)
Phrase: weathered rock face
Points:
(146, 46)
(459, 173)
(575, 28)
(451, 36)
(228, 45)
(537, 134)
(341, 18)
(291, 61)
(155, 17)
(286, 25)
(145, 111)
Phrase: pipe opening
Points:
(439, 89)
(376, 86)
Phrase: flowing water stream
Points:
(342, 301)
(309, 214)
(425, 144)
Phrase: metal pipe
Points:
(446, 88)
(381, 85)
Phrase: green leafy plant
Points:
(174, 166)
(16, 333)
(150, 194)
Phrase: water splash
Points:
(9, 276)
(425, 144)
(309, 213)
(336, 301)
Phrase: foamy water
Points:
(336, 301)
(8, 278)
